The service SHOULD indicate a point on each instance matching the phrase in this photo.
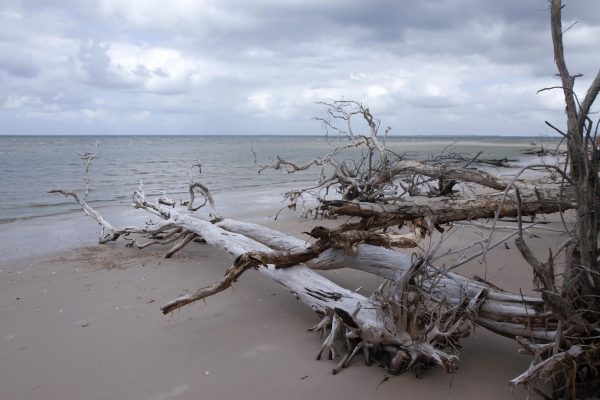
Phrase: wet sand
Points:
(82, 321)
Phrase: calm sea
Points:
(32, 165)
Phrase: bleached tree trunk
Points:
(505, 313)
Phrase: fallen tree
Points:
(422, 314)
(417, 320)
(423, 309)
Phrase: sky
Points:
(428, 67)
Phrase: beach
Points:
(82, 320)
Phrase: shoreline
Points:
(34, 166)
(61, 232)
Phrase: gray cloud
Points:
(96, 64)
(237, 66)
(19, 65)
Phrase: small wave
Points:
(46, 205)
(34, 216)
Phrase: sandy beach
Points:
(82, 321)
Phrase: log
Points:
(441, 211)
(508, 314)
(373, 325)
(446, 171)
(504, 313)
(360, 318)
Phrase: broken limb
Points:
(441, 211)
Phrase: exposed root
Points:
(189, 237)
(328, 343)
(352, 351)
(322, 326)
(548, 367)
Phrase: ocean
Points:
(32, 165)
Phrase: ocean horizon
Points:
(393, 135)
(33, 164)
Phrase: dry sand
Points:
(84, 323)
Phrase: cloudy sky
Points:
(258, 66)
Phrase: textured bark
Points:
(505, 313)
(447, 171)
(440, 211)
(374, 325)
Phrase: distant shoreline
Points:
(32, 165)
(390, 136)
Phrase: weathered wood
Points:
(444, 170)
(362, 318)
(508, 314)
(505, 313)
(440, 211)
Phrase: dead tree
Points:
(572, 360)
(417, 320)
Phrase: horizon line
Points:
(449, 135)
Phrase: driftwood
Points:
(442, 211)
(418, 316)
(375, 325)
(417, 320)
